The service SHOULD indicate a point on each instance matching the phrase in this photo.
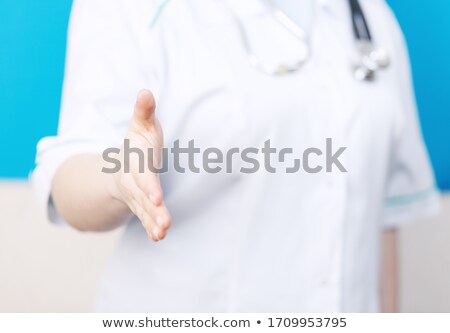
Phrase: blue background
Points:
(32, 47)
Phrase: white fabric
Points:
(300, 12)
(261, 242)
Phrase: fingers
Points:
(150, 185)
(144, 110)
(155, 219)
(150, 207)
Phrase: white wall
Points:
(44, 268)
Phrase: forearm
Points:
(389, 272)
(81, 193)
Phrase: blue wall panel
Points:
(32, 47)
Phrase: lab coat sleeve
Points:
(114, 50)
(411, 191)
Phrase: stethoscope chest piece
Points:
(370, 61)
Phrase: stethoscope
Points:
(371, 59)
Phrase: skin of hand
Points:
(141, 191)
(91, 200)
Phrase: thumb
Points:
(144, 110)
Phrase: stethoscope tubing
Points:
(361, 29)
(371, 59)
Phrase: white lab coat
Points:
(262, 242)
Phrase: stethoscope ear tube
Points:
(360, 27)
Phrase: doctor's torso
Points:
(258, 242)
